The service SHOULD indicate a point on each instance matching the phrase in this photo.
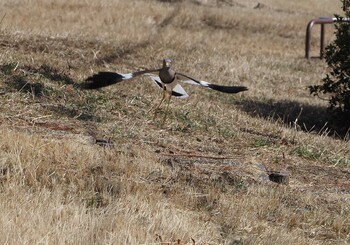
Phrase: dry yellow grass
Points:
(202, 178)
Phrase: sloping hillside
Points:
(95, 167)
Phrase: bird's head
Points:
(166, 62)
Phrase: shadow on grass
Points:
(309, 118)
(113, 53)
(19, 83)
(50, 73)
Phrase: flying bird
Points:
(166, 78)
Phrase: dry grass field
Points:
(93, 167)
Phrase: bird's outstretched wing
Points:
(106, 78)
(221, 88)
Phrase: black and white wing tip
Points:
(227, 89)
(220, 88)
(106, 78)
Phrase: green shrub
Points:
(337, 55)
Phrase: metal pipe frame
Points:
(322, 22)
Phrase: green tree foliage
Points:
(337, 55)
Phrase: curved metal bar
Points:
(322, 21)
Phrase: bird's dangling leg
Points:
(166, 108)
(160, 103)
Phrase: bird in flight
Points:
(165, 77)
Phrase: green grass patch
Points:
(307, 152)
(261, 142)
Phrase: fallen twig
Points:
(195, 155)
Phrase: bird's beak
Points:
(166, 63)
